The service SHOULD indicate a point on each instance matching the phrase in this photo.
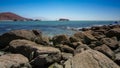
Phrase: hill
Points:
(12, 16)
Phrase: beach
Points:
(86, 46)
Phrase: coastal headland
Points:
(95, 47)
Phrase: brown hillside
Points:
(11, 16)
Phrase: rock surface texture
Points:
(14, 61)
(90, 59)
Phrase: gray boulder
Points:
(36, 53)
(85, 37)
(105, 50)
(113, 44)
(114, 32)
(90, 59)
(14, 61)
(65, 48)
(60, 39)
(33, 35)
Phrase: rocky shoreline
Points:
(95, 47)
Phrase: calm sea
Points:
(50, 28)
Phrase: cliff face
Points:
(11, 16)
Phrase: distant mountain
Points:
(12, 16)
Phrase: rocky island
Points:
(96, 47)
(63, 19)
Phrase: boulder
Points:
(35, 52)
(95, 44)
(110, 42)
(90, 59)
(81, 48)
(44, 40)
(75, 44)
(16, 34)
(14, 61)
(65, 48)
(74, 39)
(98, 35)
(114, 32)
(86, 37)
(60, 39)
(33, 35)
(105, 50)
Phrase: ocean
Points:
(50, 28)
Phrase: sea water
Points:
(50, 28)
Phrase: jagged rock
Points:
(65, 48)
(36, 53)
(110, 42)
(14, 61)
(105, 50)
(114, 32)
(90, 59)
(60, 39)
(55, 65)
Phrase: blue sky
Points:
(72, 9)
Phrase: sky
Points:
(71, 9)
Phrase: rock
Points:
(60, 39)
(14, 61)
(117, 50)
(86, 37)
(110, 42)
(55, 65)
(24, 47)
(3, 53)
(75, 44)
(66, 56)
(81, 48)
(95, 44)
(117, 58)
(36, 53)
(114, 32)
(44, 60)
(105, 50)
(16, 34)
(44, 40)
(65, 48)
(90, 59)
(98, 35)
(89, 37)
(74, 39)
